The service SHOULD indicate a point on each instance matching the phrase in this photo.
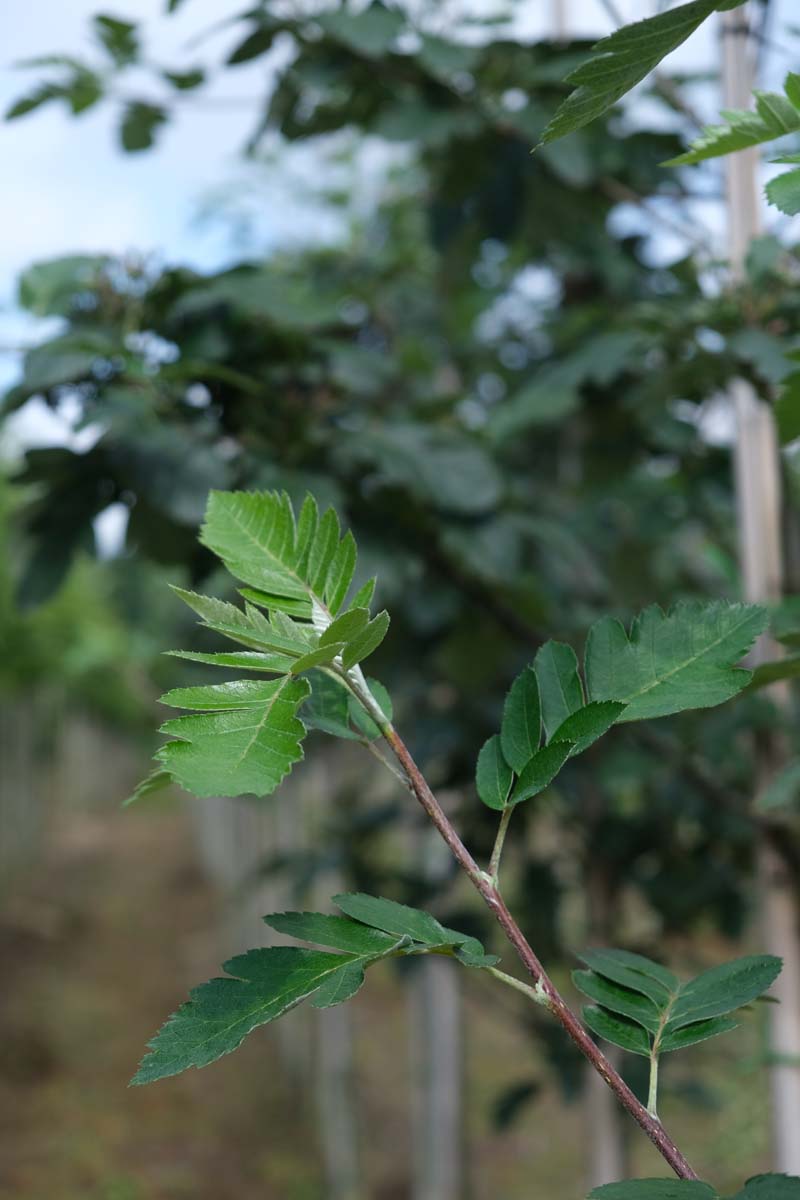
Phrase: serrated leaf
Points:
(337, 933)
(493, 775)
(244, 661)
(266, 983)
(540, 771)
(690, 1035)
(588, 724)
(684, 659)
(341, 986)
(612, 996)
(655, 1189)
(724, 989)
(345, 627)
(394, 918)
(321, 657)
(560, 687)
(622, 60)
(363, 596)
(231, 752)
(294, 608)
(340, 575)
(520, 732)
(784, 192)
(217, 697)
(617, 1030)
(249, 629)
(366, 642)
(254, 534)
(775, 116)
(361, 718)
(635, 972)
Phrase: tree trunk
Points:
(759, 506)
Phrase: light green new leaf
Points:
(521, 729)
(266, 983)
(684, 659)
(560, 687)
(248, 744)
(493, 775)
(784, 190)
(775, 116)
(540, 771)
(345, 627)
(365, 642)
(321, 657)
(623, 59)
(255, 535)
(272, 663)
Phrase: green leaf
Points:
(540, 771)
(337, 933)
(784, 192)
(770, 1187)
(622, 60)
(320, 657)
(690, 1035)
(245, 661)
(156, 781)
(617, 1030)
(266, 983)
(256, 43)
(520, 732)
(588, 724)
(254, 534)
(140, 123)
(118, 38)
(341, 986)
(345, 627)
(249, 628)
(340, 575)
(635, 972)
(293, 608)
(618, 999)
(361, 718)
(775, 116)
(560, 687)
(35, 99)
(366, 642)
(184, 81)
(327, 708)
(655, 1189)
(493, 775)
(370, 31)
(672, 662)
(231, 751)
(723, 989)
(783, 790)
(397, 919)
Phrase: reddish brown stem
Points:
(551, 998)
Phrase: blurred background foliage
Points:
(516, 401)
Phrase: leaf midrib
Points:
(686, 662)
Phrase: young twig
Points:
(545, 990)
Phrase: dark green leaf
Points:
(655, 1189)
(770, 1187)
(588, 724)
(635, 972)
(140, 122)
(723, 989)
(493, 774)
(337, 933)
(394, 918)
(327, 708)
(184, 81)
(118, 37)
(689, 1035)
(617, 1030)
(672, 662)
(618, 999)
(540, 771)
(622, 60)
(560, 688)
(520, 732)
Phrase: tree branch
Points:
(546, 992)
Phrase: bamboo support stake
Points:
(757, 473)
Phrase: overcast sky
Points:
(67, 188)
